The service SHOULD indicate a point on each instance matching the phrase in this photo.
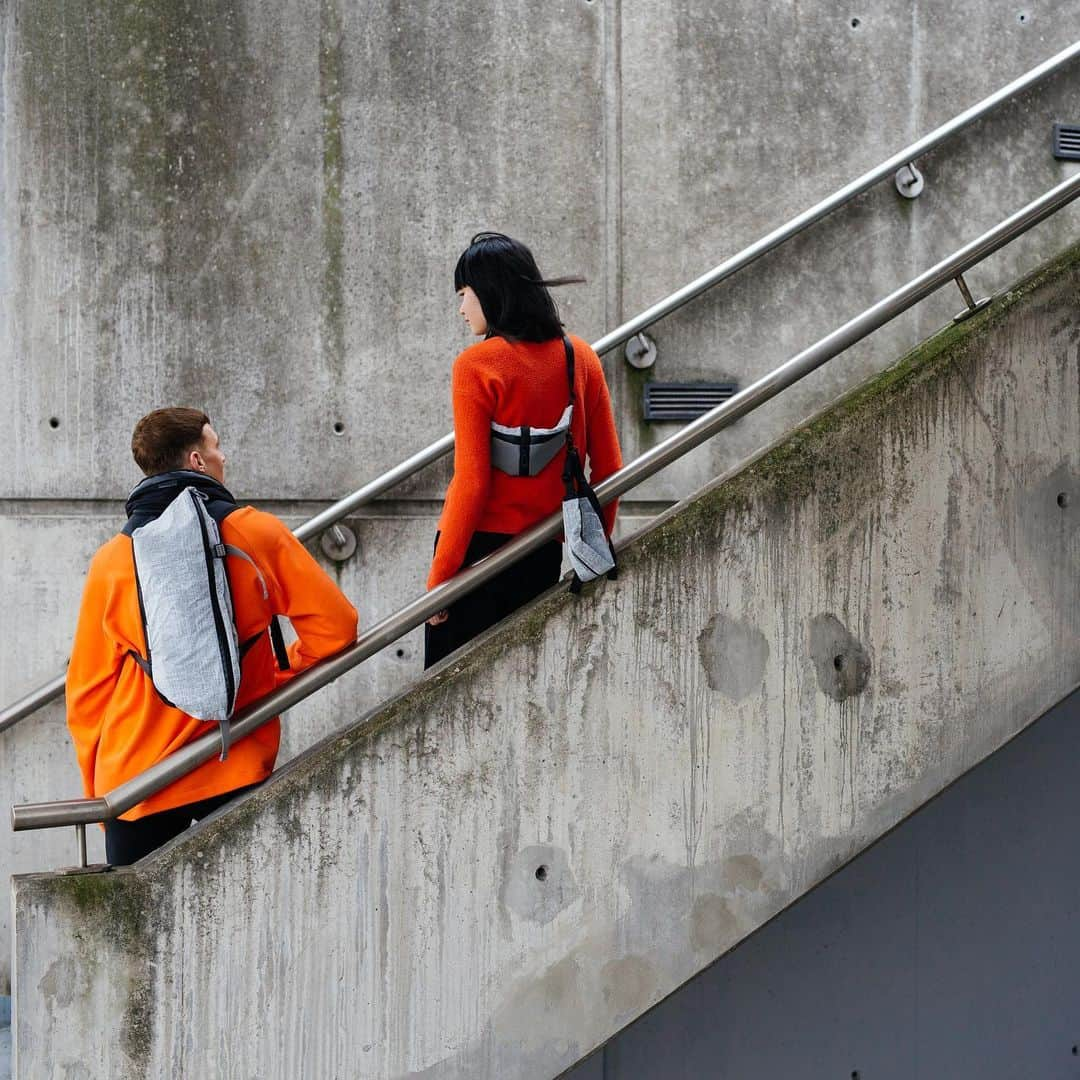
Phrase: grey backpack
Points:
(588, 546)
(192, 650)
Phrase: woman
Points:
(515, 376)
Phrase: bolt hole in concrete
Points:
(339, 428)
(838, 663)
(1063, 499)
(541, 873)
(1022, 17)
(856, 23)
(399, 653)
(54, 422)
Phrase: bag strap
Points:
(221, 550)
(573, 475)
(277, 639)
(569, 348)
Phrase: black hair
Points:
(513, 295)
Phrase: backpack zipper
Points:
(219, 621)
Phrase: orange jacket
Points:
(515, 383)
(118, 722)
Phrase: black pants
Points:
(496, 599)
(128, 841)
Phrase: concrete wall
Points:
(256, 208)
(504, 866)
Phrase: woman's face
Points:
(473, 312)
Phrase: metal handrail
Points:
(80, 812)
(32, 702)
(412, 465)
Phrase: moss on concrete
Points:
(116, 902)
(331, 82)
(120, 910)
(824, 450)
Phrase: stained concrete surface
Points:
(376, 885)
(249, 208)
(734, 654)
(840, 660)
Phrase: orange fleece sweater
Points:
(119, 724)
(515, 383)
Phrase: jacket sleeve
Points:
(96, 659)
(324, 620)
(467, 494)
(602, 440)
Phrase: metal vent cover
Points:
(684, 401)
(1067, 142)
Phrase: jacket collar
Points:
(151, 496)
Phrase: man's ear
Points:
(195, 461)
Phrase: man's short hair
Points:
(163, 439)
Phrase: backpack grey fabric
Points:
(524, 451)
(587, 544)
(192, 651)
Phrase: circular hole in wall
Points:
(838, 662)
(399, 653)
(541, 873)
(1063, 499)
(1022, 17)
(856, 22)
(339, 428)
(54, 422)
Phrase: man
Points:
(120, 724)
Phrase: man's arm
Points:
(92, 673)
(324, 620)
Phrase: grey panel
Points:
(950, 949)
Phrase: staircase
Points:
(504, 866)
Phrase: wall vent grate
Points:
(1067, 142)
(684, 401)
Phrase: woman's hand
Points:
(438, 618)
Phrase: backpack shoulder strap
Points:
(569, 349)
(229, 549)
(277, 639)
(219, 509)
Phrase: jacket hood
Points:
(151, 496)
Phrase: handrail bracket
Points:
(973, 306)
